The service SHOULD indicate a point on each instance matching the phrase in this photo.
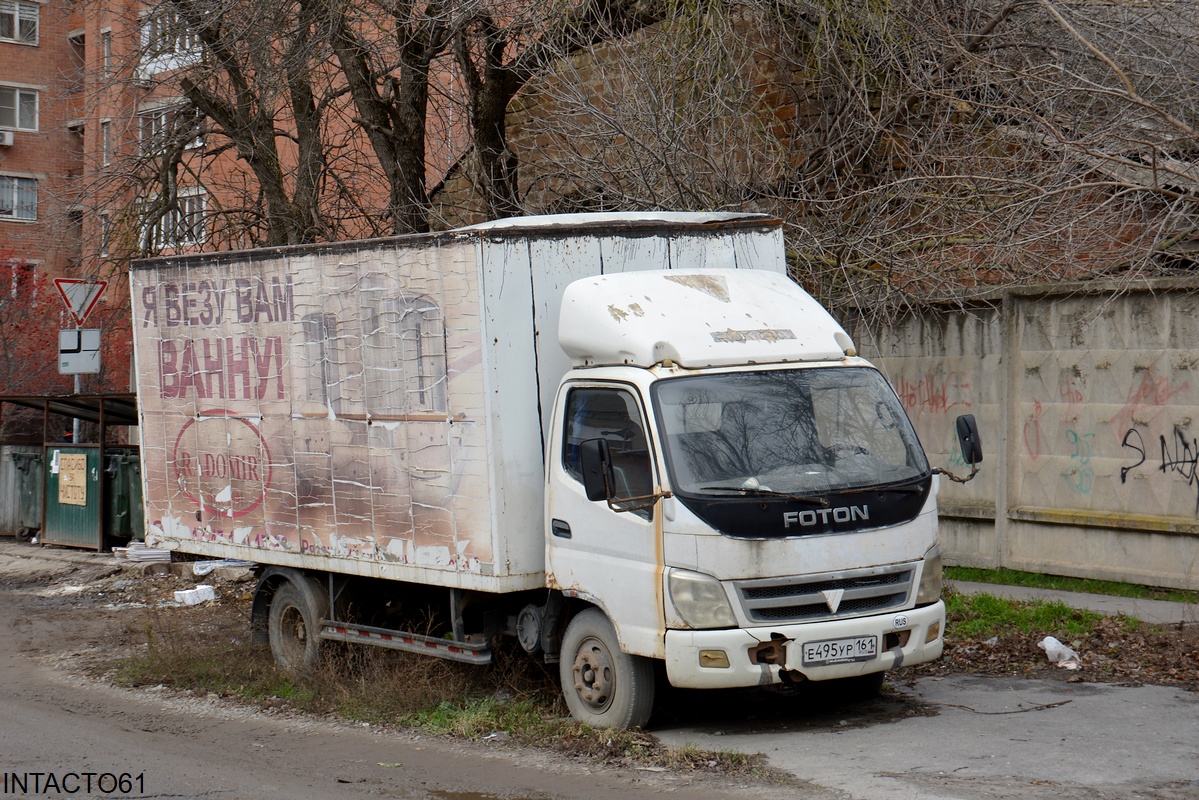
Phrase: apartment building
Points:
(68, 109)
(41, 158)
(40, 80)
(89, 103)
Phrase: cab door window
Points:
(611, 414)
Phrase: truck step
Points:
(467, 652)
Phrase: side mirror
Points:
(596, 465)
(972, 446)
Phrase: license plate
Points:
(840, 651)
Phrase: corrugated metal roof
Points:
(118, 409)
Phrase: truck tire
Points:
(294, 626)
(603, 686)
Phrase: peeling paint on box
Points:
(315, 409)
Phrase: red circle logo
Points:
(224, 465)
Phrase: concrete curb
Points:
(1156, 611)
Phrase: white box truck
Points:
(621, 438)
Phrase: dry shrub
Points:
(208, 648)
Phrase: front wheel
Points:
(602, 685)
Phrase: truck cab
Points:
(749, 504)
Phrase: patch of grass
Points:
(537, 721)
(1059, 583)
(981, 616)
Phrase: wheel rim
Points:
(595, 678)
(295, 634)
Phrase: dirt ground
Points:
(75, 614)
(120, 596)
(80, 612)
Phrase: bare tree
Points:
(672, 117)
(243, 103)
(386, 52)
(255, 64)
(915, 148)
(500, 47)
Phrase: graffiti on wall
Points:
(1034, 440)
(935, 394)
(1080, 474)
(1104, 419)
(1151, 391)
(1179, 456)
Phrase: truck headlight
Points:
(700, 600)
(930, 579)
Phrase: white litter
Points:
(1059, 653)
(137, 551)
(200, 568)
(192, 597)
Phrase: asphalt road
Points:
(57, 729)
(983, 737)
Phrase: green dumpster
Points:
(29, 493)
(124, 517)
(72, 497)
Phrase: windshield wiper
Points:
(906, 488)
(758, 491)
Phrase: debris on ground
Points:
(1059, 654)
(1118, 651)
(137, 551)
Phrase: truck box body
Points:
(379, 408)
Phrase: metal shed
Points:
(73, 493)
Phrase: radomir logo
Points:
(222, 463)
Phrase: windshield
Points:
(804, 433)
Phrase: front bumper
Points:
(759, 656)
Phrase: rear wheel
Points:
(602, 685)
(294, 626)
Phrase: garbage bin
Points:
(124, 515)
(29, 493)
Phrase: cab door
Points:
(613, 559)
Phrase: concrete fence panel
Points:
(1088, 402)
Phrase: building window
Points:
(164, 33)
(106, 51)
(159, 128)
(183, 224)
(18, 198)
(18, 108)
(18, 21)
(152, 126)
(106, 142)
(105, 234)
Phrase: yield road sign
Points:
(80, 296)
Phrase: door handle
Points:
(560, 528)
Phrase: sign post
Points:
(79, 350)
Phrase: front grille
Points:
(801, 599)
